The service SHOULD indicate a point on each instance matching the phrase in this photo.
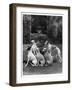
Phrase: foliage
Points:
(51, 26)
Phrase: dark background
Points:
(43, 28)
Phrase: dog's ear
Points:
(28, 48)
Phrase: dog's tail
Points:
(26, 64)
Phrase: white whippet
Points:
(39, 56)
(32, 58)
(47, 55)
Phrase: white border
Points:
(48, 77)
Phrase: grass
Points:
(51, 69)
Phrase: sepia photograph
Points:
(42, 44)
